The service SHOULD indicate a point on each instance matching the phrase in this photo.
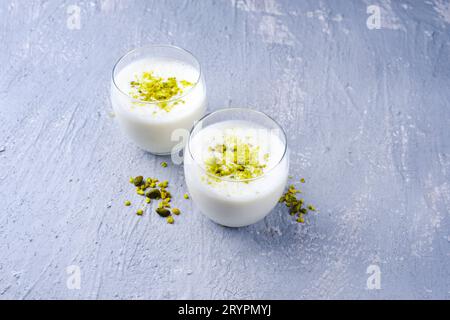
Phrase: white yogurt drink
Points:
(140, 79)
(236, 166)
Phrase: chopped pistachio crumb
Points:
(154, 194)
(138, 180)
(163, 184)
(164, 203)
(150, 88)
(186, 83)
(170, 220)
(296, 205)
(154, 189)
(164, 164)
(302, 180)
(163, 212)
(186, 196)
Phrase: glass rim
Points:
(156, 46)
(188, 145)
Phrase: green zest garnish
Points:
(235, 159)
(151, 88)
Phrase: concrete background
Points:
(367, 112)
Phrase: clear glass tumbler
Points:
(156, 125)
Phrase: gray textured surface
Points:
(367, 112)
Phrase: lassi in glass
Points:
(156, 90)
(236, 166)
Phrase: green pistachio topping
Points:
(164, 164)
(138, 180)
(296, 205)
(163, 212)
(236, 159)
(164, 203)
(170, 220)
(157, 190)
(154, 194)
(165, 194)
(163, 184)
(150, 88)
(186, 83)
